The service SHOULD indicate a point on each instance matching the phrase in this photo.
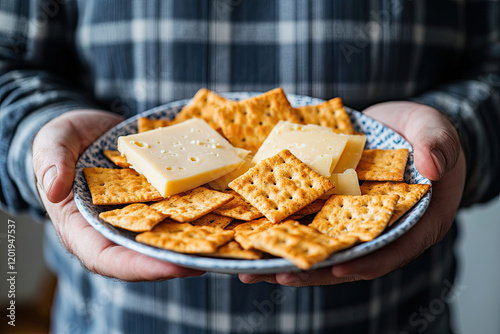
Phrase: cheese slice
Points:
(181, 156)
(317, 146)
(345, 183)
(352, 153)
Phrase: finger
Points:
(101, 255)
(322, 276)
(58, 145)
(434, 139)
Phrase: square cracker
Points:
(137, 217)
(382, 165)
(355, 217)
(242, 231)
(247, 123)
(280, 185)
(185, 238)
(409, 194)
(238, 208)
(117, 158)
(300, 244)
(110, 186)
(190, 205)
(330, 114)
(145, 124)
(212, 219)
(203, 105)
(233, 250)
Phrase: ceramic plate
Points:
(378, 136)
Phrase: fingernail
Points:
(439, 160)
(48, 179)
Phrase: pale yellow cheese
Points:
(352, 153)
(345, 183)
(317, 146)
(180, 157)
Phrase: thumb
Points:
(436, 145)
(59, 143)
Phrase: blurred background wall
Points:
(476, 307)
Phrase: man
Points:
(71, 70)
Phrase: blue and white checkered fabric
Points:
(129, 56)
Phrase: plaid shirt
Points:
(129, 56)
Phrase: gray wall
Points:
(477, 306)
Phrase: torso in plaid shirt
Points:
(129, 56)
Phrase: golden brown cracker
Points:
(116, 158)
(308, 209)
(280, 185)
(238, 208)
(137, 217)
(362, 217)
(191, 205)
(409, 194)
(233, 250)
(247, 123)
(330, 114)
(185, 238)
(382, 165)
(300, 244)
(145, 124)
(212, 219)
(242, 231)
(203, 105)
(110, 186)
(234, 224)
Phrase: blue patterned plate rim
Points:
(378, 136)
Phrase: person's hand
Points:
(56, 149)
(439, 157)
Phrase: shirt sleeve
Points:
(35, 64)
(472, 101)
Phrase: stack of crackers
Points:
(275, 209)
